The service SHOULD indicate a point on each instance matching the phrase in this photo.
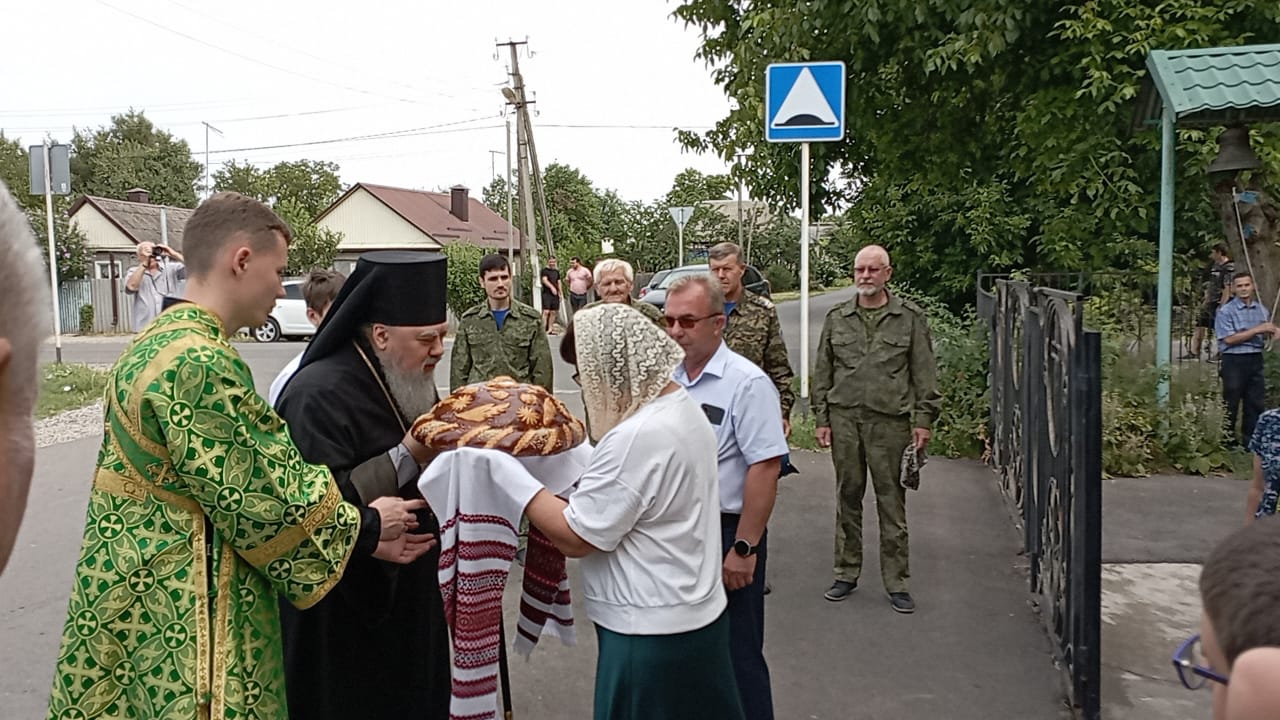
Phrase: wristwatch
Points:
(744, 548)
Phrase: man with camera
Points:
(159, 272)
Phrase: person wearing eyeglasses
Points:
(1237, 652)
(742, 404)
(875, 395)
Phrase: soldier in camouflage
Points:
(875, 391)
(752, 328)
(501, 336)
(614, 281)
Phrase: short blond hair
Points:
(24, 294)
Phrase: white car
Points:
(288, 318)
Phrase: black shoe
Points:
(767, 588)
(840, 590)
(902, 602)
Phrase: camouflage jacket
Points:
(481, 352)
(753, 331)
(878, 360)
(648, 310)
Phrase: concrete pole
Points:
(804, 275)
(1164, 293)
(53, 255)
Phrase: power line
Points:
(601, 126)
(247, 58)
(441, 129)
(275, 41)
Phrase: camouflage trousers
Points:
(863, 442)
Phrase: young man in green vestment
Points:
(24, 323)
(202, 511)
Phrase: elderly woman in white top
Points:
(645, 521)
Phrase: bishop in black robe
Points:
(377, 647)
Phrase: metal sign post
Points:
(48, 180)
(804, 102)
(681, 215)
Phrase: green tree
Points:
(298, 191)
(70, 246)
(313, 247)
(132, 152)
(464, 276)
(988, 135)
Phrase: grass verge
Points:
(802, 426)
(67, 387)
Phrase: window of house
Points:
(102, 269)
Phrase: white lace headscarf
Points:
(624, 362)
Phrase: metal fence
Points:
(111, 305)
(1046, 430)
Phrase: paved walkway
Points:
(975, 650)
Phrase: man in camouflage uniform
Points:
(752, 328)
(501, 336)
(614, 281)
(875, 392)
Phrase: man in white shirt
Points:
(742, 404)
(319, 290)
(160, 273)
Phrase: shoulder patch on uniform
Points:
(760, 300)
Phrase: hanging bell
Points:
(1234, 152)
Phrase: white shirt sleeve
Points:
(757, 424)
(605, 507)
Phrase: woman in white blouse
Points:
(645, 519)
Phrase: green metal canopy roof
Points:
(1212, 86)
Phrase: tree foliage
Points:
(70, 249)
(464, 276)
(298, 191)
(988, 135)
(132, 152)
(310, 185)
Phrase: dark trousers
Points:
(1242, 382)
(746, 630)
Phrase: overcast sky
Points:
(282, 72)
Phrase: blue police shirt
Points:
(742, 405)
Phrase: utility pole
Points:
(515, 95)
(738, 157)
(208, 189)
(506, 184)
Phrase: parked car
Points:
(655, 293)
(288, 318)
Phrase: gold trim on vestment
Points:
(113, 483)
(221, 621)
(293, 536)
(204, 646)
(154, 368)
(315, 596)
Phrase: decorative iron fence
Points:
(1046, 430)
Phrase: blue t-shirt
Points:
(501, 316)
(728, 308)
(1265, 443)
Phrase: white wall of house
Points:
(100, 234)
(367, 224)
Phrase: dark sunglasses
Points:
(687, 322)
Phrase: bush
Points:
(960, 345)
(1139, 437)
(780, 278)
(86, 319)
(464, 273)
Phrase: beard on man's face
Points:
(414, 391)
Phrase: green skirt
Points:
(667, 677)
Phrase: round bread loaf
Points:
(502, 414)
